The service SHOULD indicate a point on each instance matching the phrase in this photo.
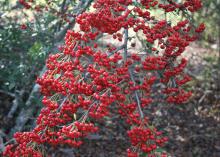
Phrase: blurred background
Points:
(28, 37)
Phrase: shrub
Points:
(83, 80)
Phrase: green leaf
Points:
(160, 150)
(36, 51)
(143, 155)
(56, 76)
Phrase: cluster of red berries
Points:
(25, 4)
(83, 81)
(29, 4)
(25, 146)
(145, 139)
(200, 28)
(23, 26)
(193, 5)
(48, 6)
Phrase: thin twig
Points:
(62, 103)
(62, 11)
(125, 44)
(7, 93)
(137, 97)
(131, 74)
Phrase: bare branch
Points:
(136, 96)
(125, 44)
(7, 93)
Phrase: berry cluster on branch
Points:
(84, 80)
